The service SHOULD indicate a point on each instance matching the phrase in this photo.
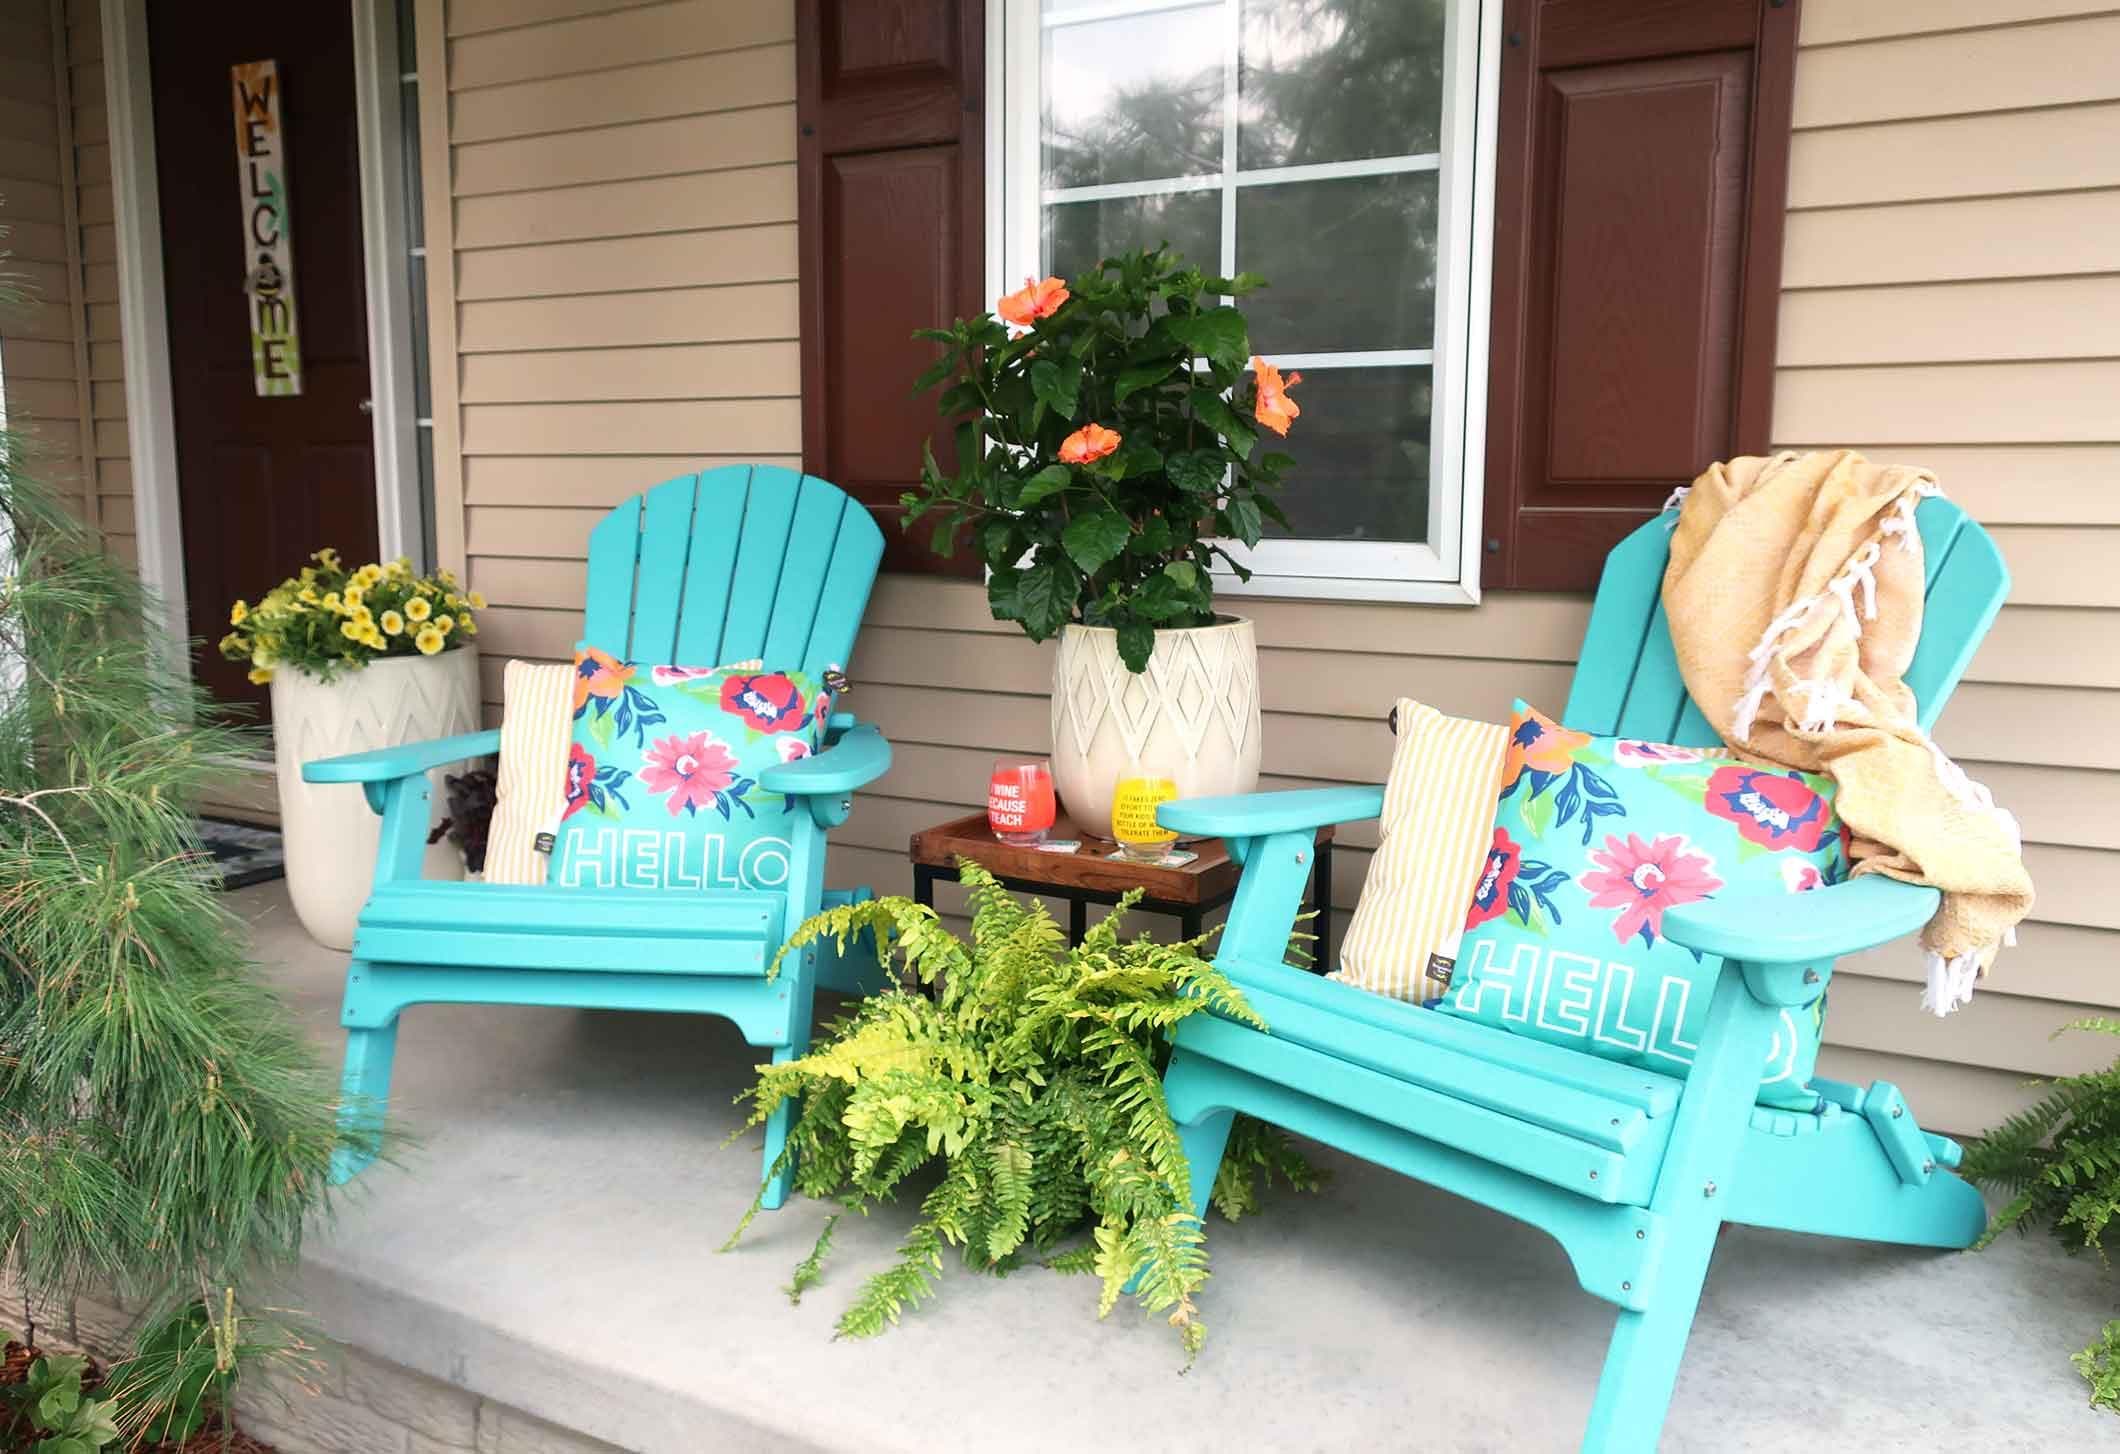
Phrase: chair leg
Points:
(364, 1094)
(1204, 1141)
(775, 1191)
(1641, 1364)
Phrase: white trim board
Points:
(143, 314)
(385, 236)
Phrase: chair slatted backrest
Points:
(737, 562)
(1627, 681)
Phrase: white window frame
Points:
(1448, 570)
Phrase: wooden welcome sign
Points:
(268, 251)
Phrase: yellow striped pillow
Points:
(537, 726)
(1437, 822)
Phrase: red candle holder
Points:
(1019, 801)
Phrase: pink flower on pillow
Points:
(1800, 874)
(666, 676)
(688, 772)
(791, 749)
(1641, 880)
(1629, 752)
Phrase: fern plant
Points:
(1033, 1076)
(2059, 1162)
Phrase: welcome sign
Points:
(268, 252)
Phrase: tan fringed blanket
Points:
(1794, 594)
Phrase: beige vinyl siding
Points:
(615, 188)
(110, 448)
(65, 375)
(624, 270)
(42, 352)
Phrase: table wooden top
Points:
(1205, 880)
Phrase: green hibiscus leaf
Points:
(1218, 333)
(1243, 514)
(1159, 599)
(1214, 411)
(1046, 483)
(1004, 593)
(1136, 641)
(1196, 471)
(1057, 385)
(1183, 574)
(1133, 380)
(1095, 537)
(1045, 594)
(999, 543)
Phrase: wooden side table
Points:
(1087, 877)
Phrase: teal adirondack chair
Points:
(1631, 1171)
(666, 584)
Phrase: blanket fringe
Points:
(1859, 573)
(1950, 983)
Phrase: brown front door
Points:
(261, 481)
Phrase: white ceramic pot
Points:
(329, 831)
(1192, 716)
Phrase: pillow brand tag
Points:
(1439, 968)
(545, 842)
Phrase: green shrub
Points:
(1032, 1079)
(165, 1129)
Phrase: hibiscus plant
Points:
(1107, 446)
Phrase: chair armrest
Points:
(387, 763)
(1807, 928)
(1254, 815)
(854, 761)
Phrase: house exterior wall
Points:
(64, 368)
(43, 352)
(625, 262)
(611, 214)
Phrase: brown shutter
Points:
(889, 169)
(1642, 171)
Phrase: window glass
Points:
(1307, 141)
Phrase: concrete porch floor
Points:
(550, 1244)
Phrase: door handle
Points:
(367, 406)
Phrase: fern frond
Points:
(810, 1270)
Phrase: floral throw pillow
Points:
(1595, 839)
(662, 775)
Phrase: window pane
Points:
(1337, 80)
(1134, 98)
(1350, 263)
(1361, 453)
(1079, 234)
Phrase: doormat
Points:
(245, 853)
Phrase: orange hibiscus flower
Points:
(1274, 408)
(597, 675)
(1091, 441)
(1538, 742)
(1034, 300)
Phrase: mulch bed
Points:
(211, 1438)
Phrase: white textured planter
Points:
(330, 832)
(1192, 717)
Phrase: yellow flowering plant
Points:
(330, 619)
